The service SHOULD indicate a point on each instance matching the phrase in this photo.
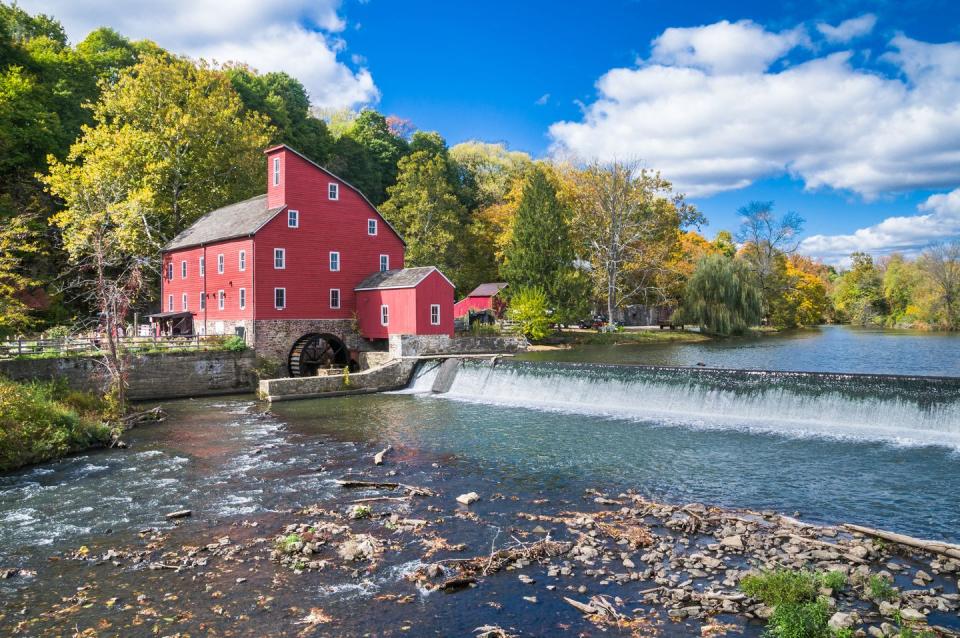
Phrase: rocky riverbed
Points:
(396, 552)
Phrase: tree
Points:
(803, 300)
(372, 132)
(18, 241)
(941, 263)
(529, 308)
(858, 292)
(487, 171)
(764, 237)
(173, 141)
(902, 281)
(625, 222)
(539, 252)
(721, 297)
(425, 211)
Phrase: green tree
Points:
(383, 149)
(173, 138)
(941, 264)
(766, 240)
(425, 210)
(540, 253)
(858, 292)
(721, 297)
(901, 284)
(529, 308)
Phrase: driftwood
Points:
(154, 414)
(374, 499)
(378, 457)
(583, 608)
(179, 514)
(499, 559)
(385, 485)
(456, 583)
(833, 546)
(936, 547)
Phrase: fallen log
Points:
(583, 608)
(179, 514)
(456, 583)
(936, 547)
(378, 457)
(385, 485)
(833, 546)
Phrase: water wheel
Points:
(313, 352)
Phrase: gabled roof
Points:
(342, 181)
(236, 220)
(399, 278)
(487, 290)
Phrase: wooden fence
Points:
(75, 346)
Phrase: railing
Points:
(79, 346)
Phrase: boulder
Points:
(468, 498)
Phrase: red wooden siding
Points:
(409, 312)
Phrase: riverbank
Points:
(42, 421)
(572, 337)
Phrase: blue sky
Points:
(843, 111)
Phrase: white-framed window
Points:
(203, 266)
(279, 298)
(170, 303)
(243, 298)
(293, 219)
(276, 171)
(170, 271)
(203, 301)
(221, 299)
(220, 263)
(183, 269)
(333, 191)
(183, 301)
(334, 298)
(279, 258)
(242, 260)
(384, 315)
(334, 261)
(384, 263)
(371, 227)
(434, 314)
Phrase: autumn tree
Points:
(941, 264)
(721, 297)
(858, 293)
(625, 222)
(765, 239)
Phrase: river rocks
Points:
(360, 547)
(909, 614)
(468, 499)
(888, 609)
(734, 541)
(841, 620)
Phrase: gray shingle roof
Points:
(400, 278)
(487, 290)
(236, 220)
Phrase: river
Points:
(875, 450)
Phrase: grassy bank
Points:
(622, 337)
(40, 421)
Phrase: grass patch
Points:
(798, 609)
(40, 421)
(622, 337)
(879, 589)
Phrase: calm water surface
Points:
(823, 349)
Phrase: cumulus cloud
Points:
(295, 36)
(939, 220)
(848, 29)
(713, 110)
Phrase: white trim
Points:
(183, 301)
(330, 261)
(170, 270)
(282, 252)
(202, 265)
(294, 216)
(384, 315)
(183, 269)
(242, 298)
(221, 299)
(330, 299)
(384, 261)
(333, 191)
(221, 263)
(275, 306)
(276, 171)
(432, 322)
(242, 260)
(376, 227)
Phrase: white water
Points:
(874, 408)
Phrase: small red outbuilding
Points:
(483, 297)
(409, 301)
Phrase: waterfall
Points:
(914, 410)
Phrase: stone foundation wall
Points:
(419, 345)
(273, 338)
(392, 376)
(152, 376)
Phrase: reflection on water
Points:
(824, 349)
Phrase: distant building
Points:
(483, 297)
(288, 269)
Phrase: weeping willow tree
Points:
(721, 298)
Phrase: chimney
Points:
(277, 175)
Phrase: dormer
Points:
(277, 158)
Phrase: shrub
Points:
(798, 611)
(528, 307)
(234, 343)
(880, 589)
(779, 587)
(800, 620)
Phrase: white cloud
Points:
(848, 29)
(724, 47)
(939, 220)
(296, 36)
(711, 125)
(543, 99)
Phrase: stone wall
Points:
(392, 376)
(419, 345)
(273, 338)
(152, 376)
